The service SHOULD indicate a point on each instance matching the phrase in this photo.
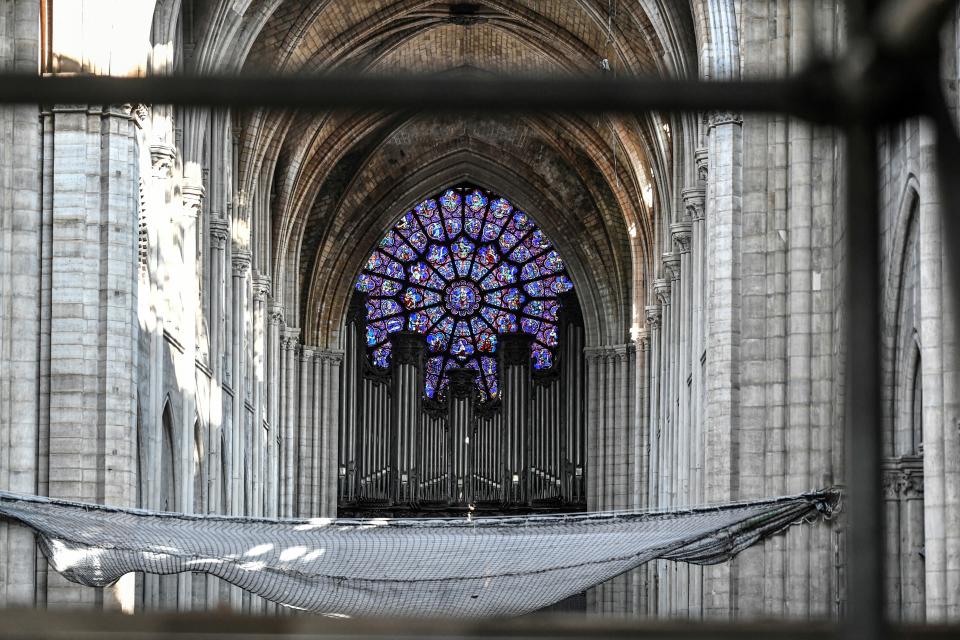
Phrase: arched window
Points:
(462, 268)
(168, 487)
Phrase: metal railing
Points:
(889, 71)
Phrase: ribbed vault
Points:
(337, 181)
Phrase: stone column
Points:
(24, 283)
(256, 481)
(328, 392)
(724, 192)
(290, 348)
(272, 480)
(241, 269)
(307, 445)
(93, 303)
(661, 288)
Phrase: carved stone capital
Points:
(653, 314)
(661, 288)
(276, 314)
(163, 157)
(241, 262)
(700, 158)
(192, 200)
(723, 116)
(261, 287)
(680, 232)
(515, 348)
(694, 201)
(407, 348)
(671, 264)
(219, 232)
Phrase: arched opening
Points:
(464, 370)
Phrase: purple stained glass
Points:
(463, 268)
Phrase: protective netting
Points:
(439, 566)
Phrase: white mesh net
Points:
(424, 567)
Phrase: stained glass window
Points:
(462, 269)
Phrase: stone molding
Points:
(902, 478)
(617, 351)
(192, 196)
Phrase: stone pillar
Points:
(256, 481)
(24, 285)
(272, 480)
(724, 192)
(237, 440)
(328, 421)
(307, 445)
(290, 348)
(93, 303)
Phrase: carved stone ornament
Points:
(241, 262)
(671, 264)
(163, 158)
(722, 117)
(700, 156)
(220, 231)
(653, 314)
(407, 348)
(680, 231)
(694, 201)
(661, 288)
(192, 200)
(276, 314)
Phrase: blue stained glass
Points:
(542, 358)
(476, 201)
(520, 254)
(459, 295)
(379, 307)
(536, 242)
(531, 271)
(450, 200)
(461, 347)
(418, 239)
(522, 222)
(491, 231)
(506, 273)
(381, 356)
(529, 326)
(473, 226)
(500, 208)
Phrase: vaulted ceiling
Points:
(337, 180)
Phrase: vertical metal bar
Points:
(865, 618)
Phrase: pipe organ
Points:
(522, 449)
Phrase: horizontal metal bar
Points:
(511, 94)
